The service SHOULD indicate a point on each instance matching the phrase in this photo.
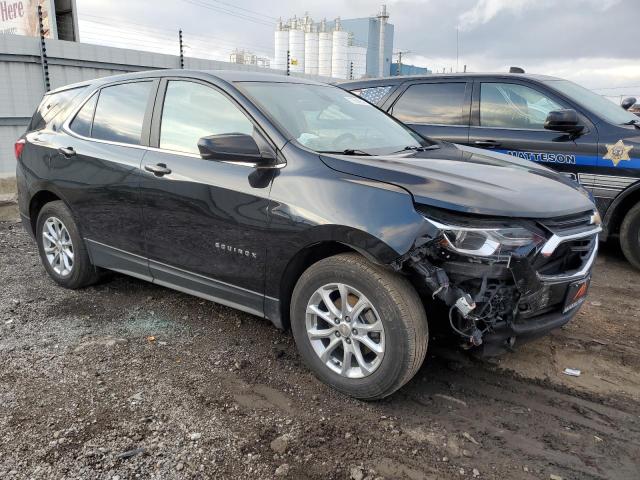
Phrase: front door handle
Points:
(487, 143)
(67, 152)
(158, 170)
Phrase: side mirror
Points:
(233, 147)
(563, 121)
(628, 102)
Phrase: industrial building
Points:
(351, 48)
(244, 57)
(404, 69)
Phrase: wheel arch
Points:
(39, 200)
(307, 256)
(621, 205)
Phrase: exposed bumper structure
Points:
(496, 302)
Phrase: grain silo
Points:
(339, 52)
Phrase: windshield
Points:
(328, 119)
(598, 104)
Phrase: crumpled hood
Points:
(472, 180)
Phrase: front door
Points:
(508, 117)
(437, 109)
(204, 220)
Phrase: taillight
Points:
(18, 147)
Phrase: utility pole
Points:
(457, 50)
(400, 53)
(43, 52)
(181, 49)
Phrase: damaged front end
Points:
(504, 280)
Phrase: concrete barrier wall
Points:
(22, 84)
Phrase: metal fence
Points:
(22, 83)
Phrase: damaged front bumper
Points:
(498, 302)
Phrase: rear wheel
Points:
(630, 236)
(61, 248)
(360, 328)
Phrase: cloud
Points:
(486, 10)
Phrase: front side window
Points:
(120, 112)
(328, 119)
(432, 103)
(192, 111)
(508, 105)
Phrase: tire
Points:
(78, 271)
(394, 302)
(630, 236)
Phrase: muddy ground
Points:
(131, 380)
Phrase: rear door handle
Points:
(487, 143)
(158, 170)
(67, 151)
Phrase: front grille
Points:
(568, 257)
(572, 254)
(569, 223)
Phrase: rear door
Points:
(97, 169)
(439, 109)
(508, 116)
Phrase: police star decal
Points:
(617, 152)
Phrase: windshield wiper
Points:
(633, 121)
(349, 151)
(419, 148)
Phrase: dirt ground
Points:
(131, 380)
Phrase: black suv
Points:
(545, 119)
(302, 203)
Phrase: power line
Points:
(162, 34)
(169, 33)
(257, 20)
(245, 9)
(617, 88)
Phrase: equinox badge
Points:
(239, 251)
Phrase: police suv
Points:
(544, 119)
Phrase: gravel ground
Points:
(131, 380)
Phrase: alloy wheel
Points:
(58, 246)
(345, 330)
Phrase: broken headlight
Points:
(488, 242)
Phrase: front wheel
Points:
(630, 236)
(359, 327)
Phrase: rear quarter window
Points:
(373, 94)
(54, 108)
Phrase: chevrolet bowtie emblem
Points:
(617, 152)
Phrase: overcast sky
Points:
(593, 42)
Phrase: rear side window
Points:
(432, 103)
(81, 124)
(373, 94)
(120, 112)
(192, 111)
(53, 107)
(508, 105)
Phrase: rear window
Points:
(120, 111)
(54, 107)
(432, 103)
